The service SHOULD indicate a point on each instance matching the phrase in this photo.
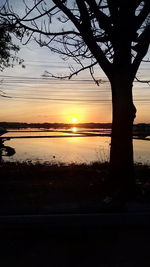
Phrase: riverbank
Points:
(27, 187)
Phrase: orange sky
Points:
(34, 99)
(94, 105)
(54, 111)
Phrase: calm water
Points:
(68, 150)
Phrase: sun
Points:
(74, 120)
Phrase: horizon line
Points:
(67, 123)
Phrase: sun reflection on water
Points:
(74, 129)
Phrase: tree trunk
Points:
(121, 152)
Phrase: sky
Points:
(33, 98)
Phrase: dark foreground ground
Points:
(70, 232)
(27, 188)
(125, 245)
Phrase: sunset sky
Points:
(37, 99)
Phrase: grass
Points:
(27, 188)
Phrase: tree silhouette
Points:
(8, 49)
(114, 34)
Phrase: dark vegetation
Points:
(8, 48)
(33, 188)
(46, 125)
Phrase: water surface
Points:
(68, 150)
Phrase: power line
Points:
(71, 99)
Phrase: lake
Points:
(85, 149)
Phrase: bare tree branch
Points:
(48, 74)
(143, 81)
(141, 48)
(145, 11)
(103, 39)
